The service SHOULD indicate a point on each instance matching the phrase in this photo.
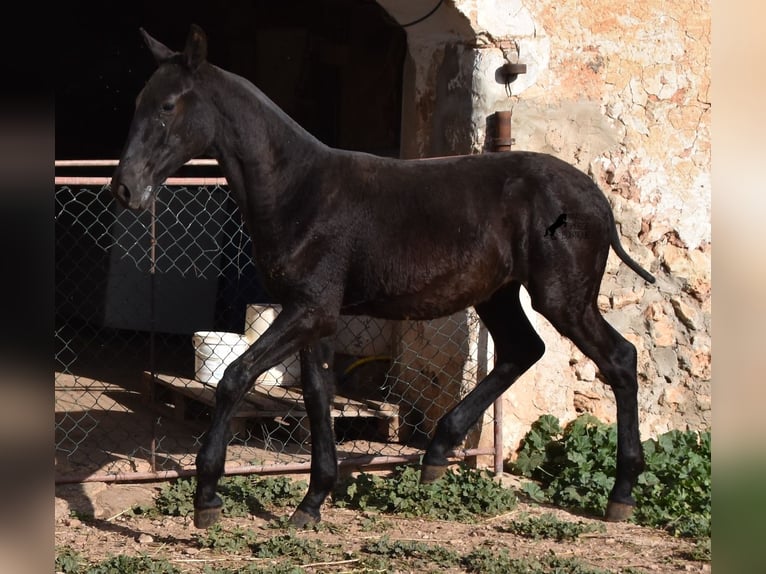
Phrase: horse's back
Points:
(430, 237)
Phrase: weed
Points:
(146, 510)
(461, 495)
(419, 552)
(701, 552)
(68, 561)
(675, 490)
(487, 560)
(124, 564)
(231, 541)
(373, 523)
(375, 563)
(176, 498)
(242, 495)
(289, 545)
(576, 466)
(278, 491)
(550, 527)
(256, 569)
(280, 523)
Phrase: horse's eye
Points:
(168, 106)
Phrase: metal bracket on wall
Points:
(499, 123)
(507, 73)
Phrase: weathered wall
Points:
(622, 92)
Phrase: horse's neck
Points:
(263, 153)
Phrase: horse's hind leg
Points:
(318, 388)
(517, 348)
(616, 359)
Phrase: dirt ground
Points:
(94, 520)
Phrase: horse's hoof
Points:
(431, 473)
(618, 511)
(302, 519)
(206, 517)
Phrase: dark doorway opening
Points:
(335, 66)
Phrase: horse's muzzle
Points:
(131, 198)
(121, 193)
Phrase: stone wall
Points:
(621, 92)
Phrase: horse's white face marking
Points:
(145, 197)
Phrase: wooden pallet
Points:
(180, 399)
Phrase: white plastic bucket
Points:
(214, 351)
(258, 318)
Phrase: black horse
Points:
(336, 232)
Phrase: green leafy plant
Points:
(575, 465)
(279, 491)
(68, 561)
(575, 468)
(242, 495)
(550, 527)
(701, 552)
(675, 490)
(288, 545)
(124, 564)
(280, 523)
(534, 450)
(373, 522)
(256, 569)
(418, 552)
(463, 494)
(145, 510)
(176, 498)
(533, 491)
(234, 540)
(487, 560)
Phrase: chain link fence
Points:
(151, 306)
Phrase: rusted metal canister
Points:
(501, 139)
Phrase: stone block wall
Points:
(622, 92)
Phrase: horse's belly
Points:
(424, 291)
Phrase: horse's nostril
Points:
(123, 194)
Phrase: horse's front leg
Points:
(318, 388)
(293, 329)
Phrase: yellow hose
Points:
(364, 360)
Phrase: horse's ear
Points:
(159, 50)
(195, 51)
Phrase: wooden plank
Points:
(205, 394)
(272, 401)
(341, 406)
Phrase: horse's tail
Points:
(627, 259)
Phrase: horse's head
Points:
(171, 124)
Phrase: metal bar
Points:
(93, 180)
(498, 428)
(104, 180)
(106, 162)
(366, 461)
(152, 317)
(501, 141)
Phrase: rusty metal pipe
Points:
(501, 126)
(362, 462)
(498, 428)
(500, 140)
